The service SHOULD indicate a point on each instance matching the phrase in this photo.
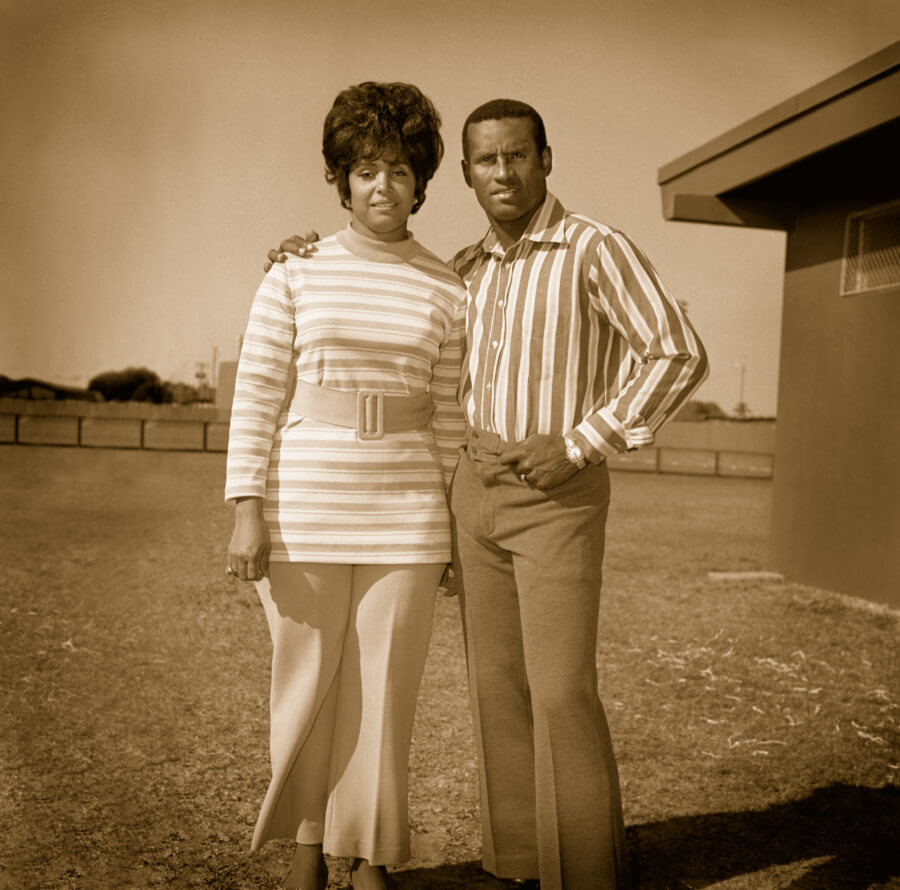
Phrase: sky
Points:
(152, 151)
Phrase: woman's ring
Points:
(229, 570)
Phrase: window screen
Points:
(872, 250)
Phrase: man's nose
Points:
(503, 171)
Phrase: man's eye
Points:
(487, 159)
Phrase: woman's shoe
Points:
(370, 876)
(321, 881)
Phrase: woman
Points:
(344, 432)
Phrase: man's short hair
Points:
(370, 119)
(500, 108)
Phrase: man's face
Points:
(506, 171)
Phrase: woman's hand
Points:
(248, 552)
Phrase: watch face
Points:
(575, 454)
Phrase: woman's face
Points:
(382, 194)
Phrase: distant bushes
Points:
(130, 385)
(141, 385)
(697, 410)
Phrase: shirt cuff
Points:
(603, 435)
(233, 492)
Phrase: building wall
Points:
(836, 490)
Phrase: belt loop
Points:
(369, 415)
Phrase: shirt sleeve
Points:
(448, 422)
(664, 361)
(264, 375)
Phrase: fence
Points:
(113, 425)
(743, 448)
(707, 448)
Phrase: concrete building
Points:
(824, 166)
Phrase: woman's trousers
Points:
(349, 646)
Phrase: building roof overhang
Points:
(739, 177)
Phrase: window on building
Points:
(872, 250)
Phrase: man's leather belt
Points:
(370, 412)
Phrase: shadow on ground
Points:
(852, 829)
(448, 877)
(850, 832)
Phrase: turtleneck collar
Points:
(378, 251)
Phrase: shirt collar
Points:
(548, 225)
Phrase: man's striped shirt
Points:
(570, 331)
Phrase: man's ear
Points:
(547, 160)
(465, 169)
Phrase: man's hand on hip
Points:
(540, 461)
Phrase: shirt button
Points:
(488, 386)
(495, 343)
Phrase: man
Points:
(575, 353)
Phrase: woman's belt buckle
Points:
(369, 415)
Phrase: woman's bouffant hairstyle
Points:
(369, 119)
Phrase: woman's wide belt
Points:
(370, 412)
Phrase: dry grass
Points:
(755, 723)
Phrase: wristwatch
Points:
(574, 453)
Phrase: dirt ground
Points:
(755, 722)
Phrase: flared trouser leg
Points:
(530, 565)
(349, 646)
(307, 608)
(384, 656)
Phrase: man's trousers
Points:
(529, 565)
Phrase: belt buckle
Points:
(363, 433)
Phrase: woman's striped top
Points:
(358, 314)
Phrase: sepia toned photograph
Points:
(449, 445)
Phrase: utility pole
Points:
(203, 393)
(741, 409)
